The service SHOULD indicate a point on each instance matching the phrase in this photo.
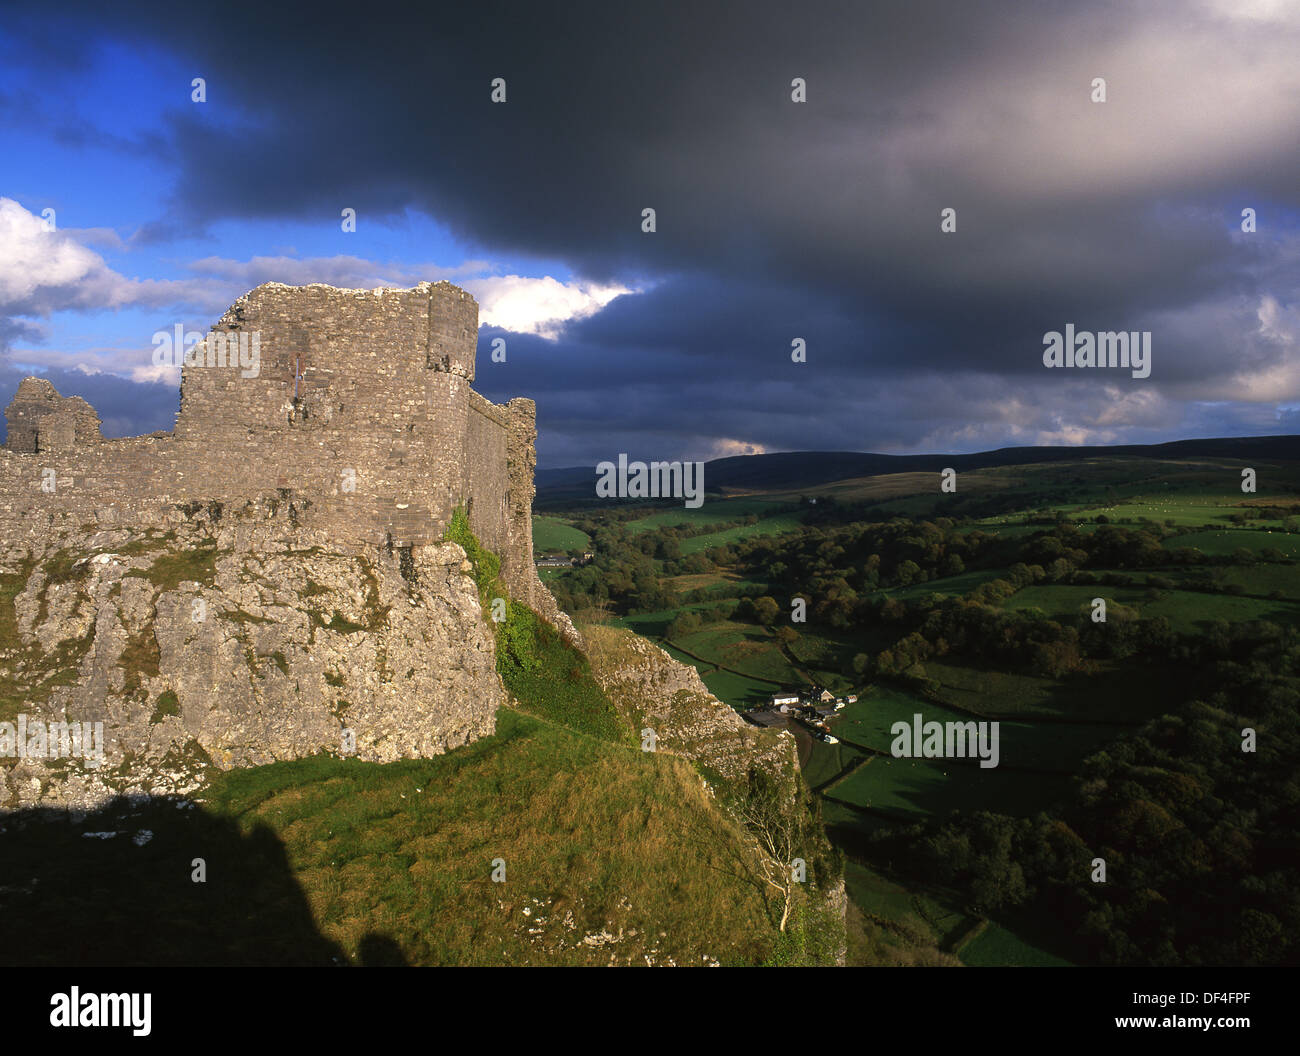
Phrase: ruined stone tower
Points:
(41, 421)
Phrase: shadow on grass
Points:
(117, 887)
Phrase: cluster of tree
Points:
(1109, 546)
(692, 620)
(622, 576)
(1013, 641)
(764, 610)
(1213, 581)
(835, 568)
(718, 592)
(1114, 546)
(1029, 641)
(627, 572)
(1199, 838)
(1285, 514)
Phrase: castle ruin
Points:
(361, 412)
(270, 579)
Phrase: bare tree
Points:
(774, 818)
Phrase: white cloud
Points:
(49, 271)
(542, 306)
(43, 271)
(726, 447)
(1255, 10)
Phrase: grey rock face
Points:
(670, 698)
(236, 638)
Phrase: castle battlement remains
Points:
(360, 413)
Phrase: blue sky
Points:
(818, 220)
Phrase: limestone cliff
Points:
(234, 637)
(671, 699)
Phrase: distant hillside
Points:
(796, 469)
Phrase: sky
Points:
(775, 220)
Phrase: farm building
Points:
(763, 717)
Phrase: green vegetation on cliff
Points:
(547, 676)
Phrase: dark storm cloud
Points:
(778, 220)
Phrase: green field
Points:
(867, 721)
(913, 505)
(953, 586)
(742, 647)
(1184, 509)
(551, 534)
(911, 918)
(1186, 610)
(715, 511)
(1228, 540)
(1263, 579)
(877, 894)
(1112, 694)
(995, 946)
(829, 761)
(654, 624)
(939, 787)
(1038, 745)
(737, 690)
(782, 522)
(1061, 601)
(1259, 579)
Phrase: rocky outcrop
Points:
(229, 637)
(670, 698)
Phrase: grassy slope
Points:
(334, 858)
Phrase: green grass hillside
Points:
(611, 856)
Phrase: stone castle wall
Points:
(361, 411)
